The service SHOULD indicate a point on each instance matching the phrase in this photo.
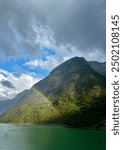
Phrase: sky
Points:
(38, 35)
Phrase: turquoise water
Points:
(32, 137)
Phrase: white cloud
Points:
(50, 63)
(22, 82)
(62, 53)
(2, 77)
(44, 37)
(4, 71)
(42, 34)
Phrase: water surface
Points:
(32, 137)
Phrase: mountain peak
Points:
(75, 73)
(77, 58)
(71, 66)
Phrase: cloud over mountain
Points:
(11, 85)
(38, 35)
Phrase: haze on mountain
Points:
(73, 94)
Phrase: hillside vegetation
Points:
(73, 94)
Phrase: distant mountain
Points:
(73, 94)
(4, 106)
(99, 67)
(7, 104)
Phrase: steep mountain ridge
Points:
(72, 94)
(75, 75)
(7, 104)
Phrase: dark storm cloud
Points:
(7, 84)
(80, 23)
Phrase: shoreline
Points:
(62, 125)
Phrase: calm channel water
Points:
(32, 137)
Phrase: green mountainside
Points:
(73, 94)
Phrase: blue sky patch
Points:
(18, 66)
